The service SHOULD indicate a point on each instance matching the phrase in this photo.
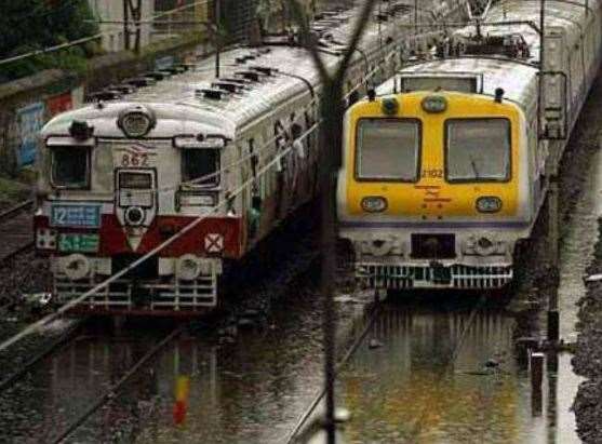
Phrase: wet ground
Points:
(449, 377)
(251, 390)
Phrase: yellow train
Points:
(447, 164)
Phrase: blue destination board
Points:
(75, 216)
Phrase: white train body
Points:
(118, 178)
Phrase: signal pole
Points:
(217, 37)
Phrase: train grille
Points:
(455, 277)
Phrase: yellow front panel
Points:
(432, 197)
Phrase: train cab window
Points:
(200, 165)
(388, 150)
(477, 150)
(70, 167)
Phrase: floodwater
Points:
(44, 403)
(429, 383)
(250, 391)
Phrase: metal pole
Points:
(126, 25)
(330, 152)
(217, 37)
(137, 18)
(537, 364)
(542, 38)
(415, 20)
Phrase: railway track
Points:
(16, 231)
(311, 421)
(54, 345)
(113, 389)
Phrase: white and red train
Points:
(123, 174)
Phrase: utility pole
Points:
(217, 37)
(126, 24)
(415, 21)
(136, 13)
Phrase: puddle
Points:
(407, 392)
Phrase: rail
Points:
(15, 245)
(113, 389)
(56, 344)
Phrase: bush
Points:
(29, 25)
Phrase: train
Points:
(192, 167)
(447, 164)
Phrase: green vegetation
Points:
(13, 191)
(30, 25)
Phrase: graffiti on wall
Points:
(30, 120)
(59, 104)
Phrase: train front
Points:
(117, 180)
(434, 191)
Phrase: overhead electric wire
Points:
(102, 285)
(225, 203)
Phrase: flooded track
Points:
(53, 396)
(413, 390)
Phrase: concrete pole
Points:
(553, 332)
(536, 368)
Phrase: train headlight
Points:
(75, 266)
(484, 246)
(136, 121)
(188, 267)
(434, 104)
(374, 204)
(134, 216)
(489, 204)
(390, 106)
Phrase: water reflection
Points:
(411, 390)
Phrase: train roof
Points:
(517, 76)
(189, 101)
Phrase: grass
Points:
(13, 191)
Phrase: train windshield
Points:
(70, 167)
(477, 150)
(388, 149)
(201, 166)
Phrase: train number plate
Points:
(75, 216)
(80, 243)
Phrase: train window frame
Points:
(356, 173)
(509, 173)
(185, 182)
(88, 173)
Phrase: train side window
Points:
(477, 150)
(70, 167)
(388, 150)
(202, 166)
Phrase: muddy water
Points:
(252, 390)
(45, 402)
(411, 390)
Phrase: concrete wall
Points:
(27, 104)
